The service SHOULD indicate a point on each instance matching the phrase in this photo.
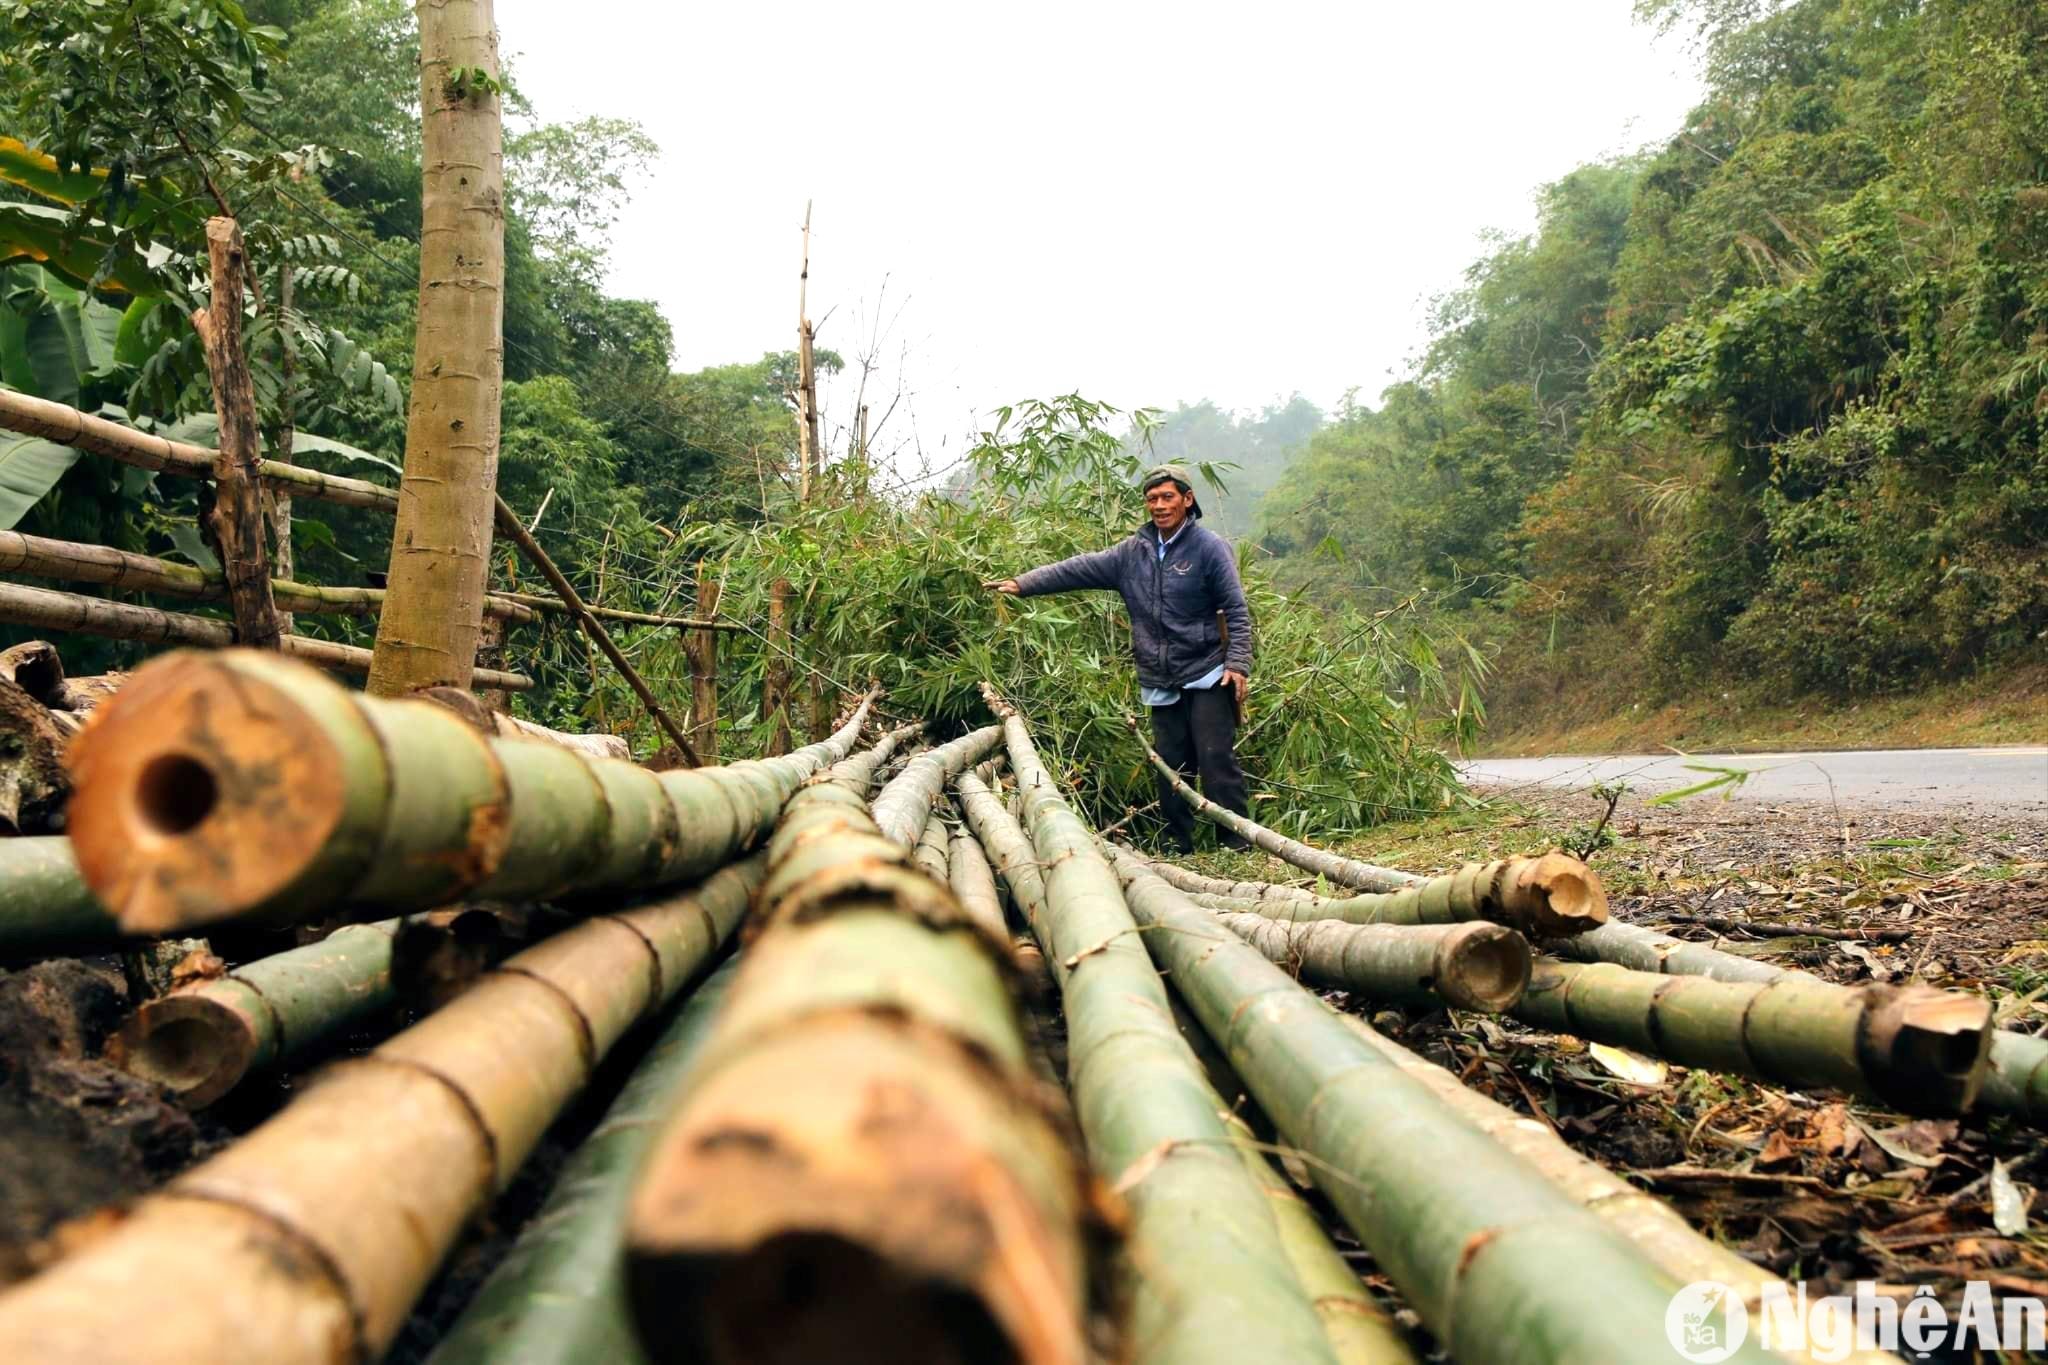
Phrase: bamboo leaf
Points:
(29, 468)
(191, 544)
(306, 443)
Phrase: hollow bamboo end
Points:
(193, 1046)
(1555, 894)
(1483, 967)
(201, 792)
(1937, 1045)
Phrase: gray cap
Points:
(1171, 473)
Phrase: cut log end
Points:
(194, 1047)
(1931, 1046)
(1552, 895)
(201, 793)
(1482, 967)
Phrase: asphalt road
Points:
(1905, 779)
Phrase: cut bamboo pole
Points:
(47, 609)
(69, 562)
(930, 852)
(328, 1220)
(1473, 966)
(856, 773)
(973, 881)
(1194, 883)
(45, 907)
(902, 807)
(1343, 871)
(1658, 1233)
(67, 426)
(204, 1040)
(550, 606)
(1473, 1237)
(1915, 1048)
(559, 1296)
(1209, 1277)
(860, 1168)
(2016, 1082)
(471, 708)
(241, 786)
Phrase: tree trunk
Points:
(775, 670)
(238, 525)
(293, 797)
(440, 550)
(700, 647)
(1476, 966)
(379, 1165)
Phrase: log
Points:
(902, 807)
(860, 1168)
(68, 426)
(559, 1296)
(489, 722)
(1474, 1238)
(237, 521)
(330, 1218)
(33, 783)
(1211, 1281)
(1475, 966)
(237, 785)
(1914, 1048)
(68, 562)
(45, 908)
(34, 665)
(45, 609)
(1343, 871)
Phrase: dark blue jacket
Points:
(1173, 604)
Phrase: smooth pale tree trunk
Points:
(427, 635)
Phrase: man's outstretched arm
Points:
(1097, 569)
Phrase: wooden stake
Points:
(809, 454)
(508, 525)
(238, 524)
(775, 676)
(701, 648)
(277, 498)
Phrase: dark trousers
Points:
(1195, 736)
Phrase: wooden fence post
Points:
(238, 522)
(775, 675)
(701, 647)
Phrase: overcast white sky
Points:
(1145, 202)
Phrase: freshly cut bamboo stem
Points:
(1194, 883)
(472, 709)
(200, 1042)
(1210, 1279)
(1474, 1237)
(2017, 1080)
(45, 907)
(1658, 1233)
(48, 609)
(1646, 950)
(930, 852)
(551, 606)
(973, 882)
(857, 773)
(1343, 871)
(902, 807)
(1915, 1048)
(241, 786)
(559, 1296)
(1472, 966)
(329, 1219)
(859, 1168)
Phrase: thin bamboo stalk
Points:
(473, 709)
(930, 853)
(1343, 871)
(329, 1219)
(241, 786)
(1472, 966)
(551, 606)
(1914, 1048)
(973, 881)
(1657, 1232)
(68, 426)
(71, 562)
(1194, 883)
(45, 907)
(1210, 1279)
(857, 772)
(902, 807)
(859, 1168)
(1473, 1237)
(559, 1296)
(201, 1042)
(47, 609)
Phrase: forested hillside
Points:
(1759, 408)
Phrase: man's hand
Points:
(1238, 683)
(1006, 586)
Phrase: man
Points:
(1175, 578)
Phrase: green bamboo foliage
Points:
(1473, 1237)
(329, 1219)
(202, 1041)
(1476, 966)
(1209, 1277)
(1914, 1048)
(559, 1296)
(860, 1147)
(238, 785)
(902, 807)
(45, 907)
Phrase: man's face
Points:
(1168, 506)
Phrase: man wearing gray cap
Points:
(1177, 580)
